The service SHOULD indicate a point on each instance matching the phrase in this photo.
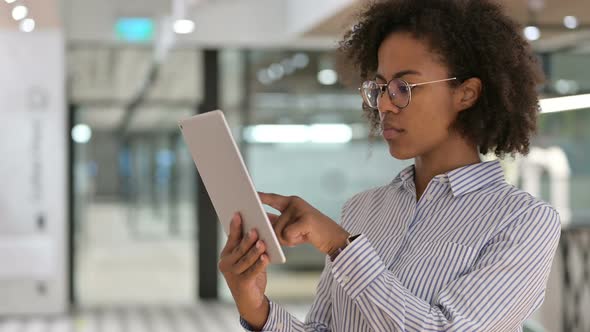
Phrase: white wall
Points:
(33, 276)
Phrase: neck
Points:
(454, 153)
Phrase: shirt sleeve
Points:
(318, 318)
(505, 285)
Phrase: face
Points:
(424, 124)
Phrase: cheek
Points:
(432, 116)
(427, 125)
(435, 122)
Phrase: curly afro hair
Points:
(473, 38)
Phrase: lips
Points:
(392, 132)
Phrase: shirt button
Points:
(279, 325)
(345, 280)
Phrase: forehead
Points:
(401, 51)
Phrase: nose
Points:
(385, 104)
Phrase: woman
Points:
(448, 244)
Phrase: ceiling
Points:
(548, 16)
(268, 23)
(45, 13)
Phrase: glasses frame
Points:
(385, 86)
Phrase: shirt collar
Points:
(470, 178)
(405, 177)
(463, 180)
(407, 174)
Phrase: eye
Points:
(402, 87)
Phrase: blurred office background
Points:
(104, 225)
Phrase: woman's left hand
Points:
(301, 223)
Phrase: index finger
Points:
(277, 202)
(272, 217)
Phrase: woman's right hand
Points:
(243, 263)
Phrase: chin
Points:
(400, 153)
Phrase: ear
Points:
(467, 94)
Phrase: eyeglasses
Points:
(399, 91)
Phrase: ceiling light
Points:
(570, 22)
(276, 71)
(330, 133)
(277, 134)
(300, 60)
(327, 77)
(263, 77)
(316, 134)
(81, 133)
(532, 33)
(19, 12)
(184, 27)
(562, 104)
(27, 25)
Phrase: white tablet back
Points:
(226, 178)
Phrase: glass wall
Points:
(568, 131)
(134, 177)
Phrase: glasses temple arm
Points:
(431, 82)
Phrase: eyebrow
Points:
(400, 74)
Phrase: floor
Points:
(128, 256)
(206, 316)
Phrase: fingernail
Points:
(251, 234)
(259, 244)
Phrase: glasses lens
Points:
(370, 93)
(399, 91)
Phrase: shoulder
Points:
(525, 210)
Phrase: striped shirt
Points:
(473, 254)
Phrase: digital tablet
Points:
(226, 178)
